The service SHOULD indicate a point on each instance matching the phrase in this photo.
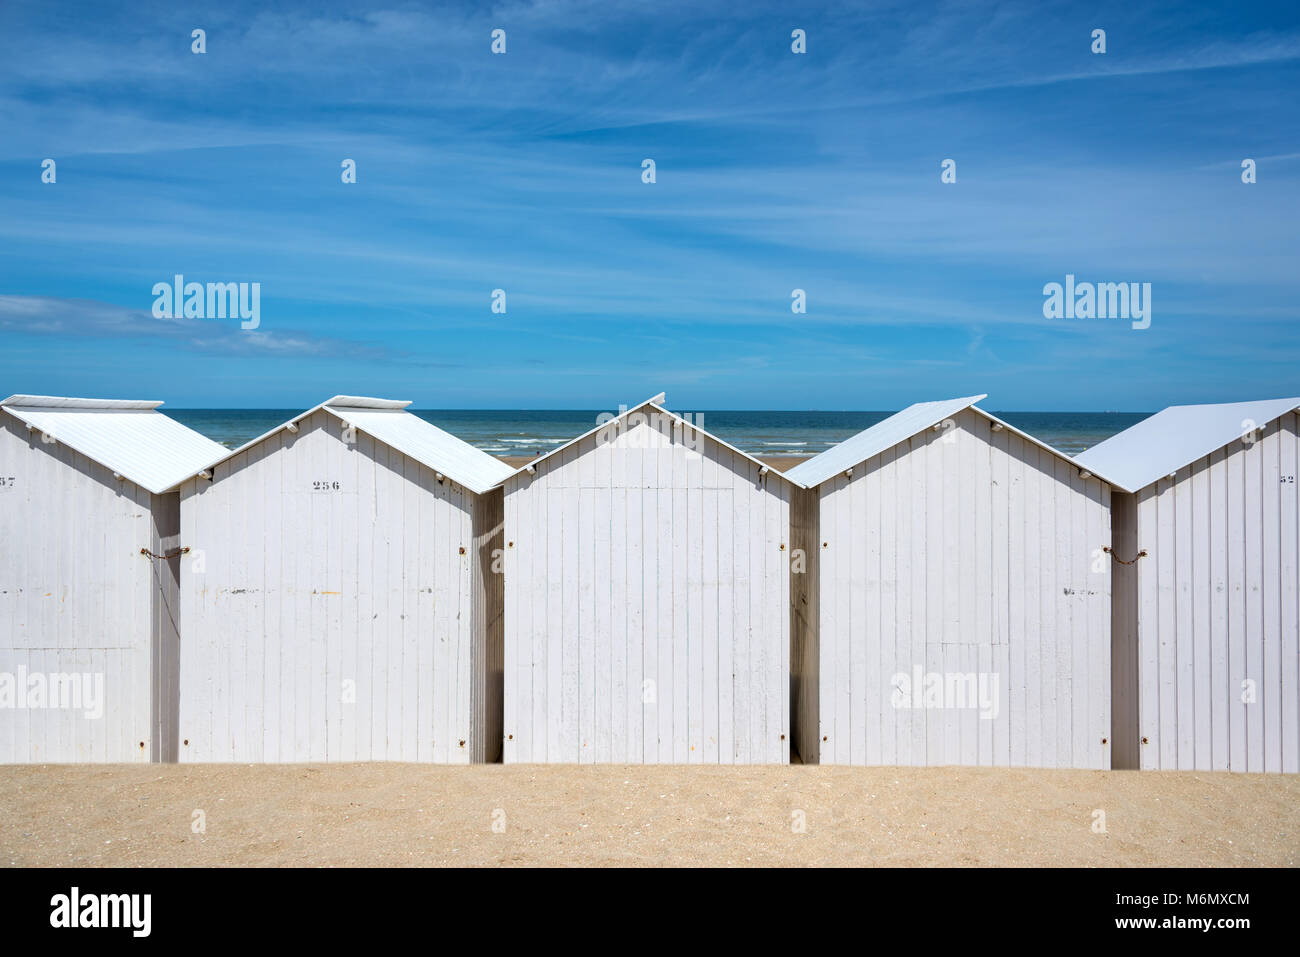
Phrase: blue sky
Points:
(775, 171)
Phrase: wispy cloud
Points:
(76, 319)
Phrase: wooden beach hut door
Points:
(964, 552)
(648, 603)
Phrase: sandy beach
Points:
(395, 815)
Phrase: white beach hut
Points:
(89, 558)
(340, 598)
(956, 606)
(647, 599)
(1206, 615)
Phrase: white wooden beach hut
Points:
(340, 599)
(89, 516)
(1206, 616)
(956, 606)
(647, 599)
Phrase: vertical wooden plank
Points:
(1063, 635)
(883, 666)
(709, 588)
(1184, 626)
(727, 599)
(1147, 603)
(594, 613)
(602, 605)
(575, 591)
(620, 610)
(940, 537)
(1255, 631)
(981, 496)
(1165, 744)
(1082, 654)
(436, 653)
(742, 560)
(668, 620)
(1007, 592)
(1201, 573)
(1270, 683)
(536, 502)
(776, 623)
(633, 520)
(696, 627)
(846, 536)
(1218, 685)
(863, 492)
(1048, 627)
(652, 589)
(756, 690)
(922, 546)
(526, 551)
(283, 498)
(909, 547)
(1100, 692)
(1288, 581)
(556, 627)
(516, 694)
(1009, 516)
(682, 522)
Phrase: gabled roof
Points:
(869, 443)
(1178, 436)
(130, 438)
(388, 421)
(657, 403)
(441, 451)
(900, 427)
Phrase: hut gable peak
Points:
(870, 442)
(900, 427)
(389, 421)
(609, 422)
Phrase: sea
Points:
(518, 432)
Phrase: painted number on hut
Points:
(7, 482)
(325, 486)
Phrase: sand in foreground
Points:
(396, 814)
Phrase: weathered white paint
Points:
(647, 601)
(963, 550)
(326, 560)
(77, 597)
(1214, 604)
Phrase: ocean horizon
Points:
(528, 432)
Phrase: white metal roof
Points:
(388, 421)
(127, 437)
(658, 403)
(900, 427)
(67, 402)
(425, 442)
(869, 443)
(363, 402)
(1177, 436)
